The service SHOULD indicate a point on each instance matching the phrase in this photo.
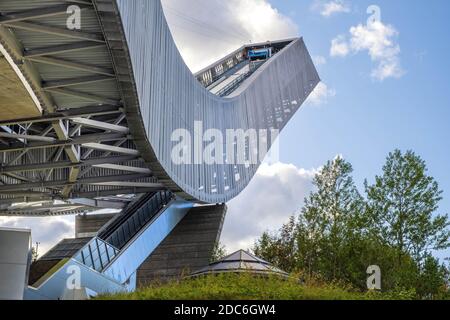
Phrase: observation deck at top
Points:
(86, 116)
(226, 75)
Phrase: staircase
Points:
(109, 261)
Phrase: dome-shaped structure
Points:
(239, 262)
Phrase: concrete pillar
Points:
(187, 249)
(15, 259)
(87, 226)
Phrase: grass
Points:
(249, 287)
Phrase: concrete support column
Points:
(187, 249)
(15, 259)
(87, 226)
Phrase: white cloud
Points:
(321, 95)
(329, 8)
(319, 60)
(379, 40)
(205, 31)
(275, 194)
(339, 47)
(48, 231)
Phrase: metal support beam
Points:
(62, 48)
(44, 213)
(85, 2)
(74, 82)
(72, 65)
(125, 184)
(85, 96)
(94, 180)
(100, 204)
(73, 176)
(26, 137)
(104, 162)
(52, 210)
(35, 14)
(115, 192)
(117, 144)
(122, 168)
(11, 201)
(68, 114)
(100, 125)
(27, 194)
(104, 147)
(85, 139)
(88, 153)
(63, 134)
(62, 32)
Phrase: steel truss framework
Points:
(111, 94)
(79, 156)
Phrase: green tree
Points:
(338, 234)
(327, 240)
(402, 204)
(330, 218)
(35, 252)
(280, 248)
(432, 280)
(218, 253)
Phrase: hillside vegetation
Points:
(394, 224)
(248, 287)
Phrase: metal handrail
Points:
(229, 88)
(99, 252)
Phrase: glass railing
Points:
(136, 219)
(228, 89)
(97, 254)
(101, 251)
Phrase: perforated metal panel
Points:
(170, 98)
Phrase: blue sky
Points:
(368, 118)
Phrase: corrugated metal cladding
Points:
(95, 57)
(171, 98)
